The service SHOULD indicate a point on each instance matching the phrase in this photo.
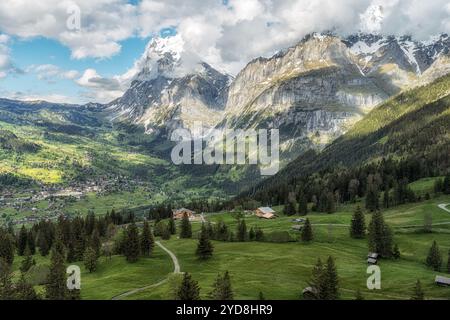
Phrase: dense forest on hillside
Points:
(403, 140)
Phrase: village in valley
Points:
(48, 202)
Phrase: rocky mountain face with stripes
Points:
(313, 92)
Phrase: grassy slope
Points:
(282, 270)
(116, 276)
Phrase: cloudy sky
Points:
(81, 50)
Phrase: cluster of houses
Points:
(36, 218)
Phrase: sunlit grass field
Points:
(282, 270)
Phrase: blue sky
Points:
(43, 51)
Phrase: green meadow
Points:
(282, 270)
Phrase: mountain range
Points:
(313, 92)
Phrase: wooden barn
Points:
(309, 293)
(179, 213)
(265, 213)
(372, 258)
(442, 281)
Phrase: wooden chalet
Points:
(265, 213)
(179, 213)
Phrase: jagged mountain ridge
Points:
(313, 91)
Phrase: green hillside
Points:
(414, 124)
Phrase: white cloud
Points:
(225, 36)
(104, 23)
(33, 96)
(99, 89)
(230, 36)
(51, 73)
(5, 59)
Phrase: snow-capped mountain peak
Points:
(411, 55)
(159, 47)
(160, 58)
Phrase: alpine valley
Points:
(364, 123)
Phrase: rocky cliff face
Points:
(312, 92)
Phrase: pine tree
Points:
(324, 280)
(95, 242)
(27, 262)
(56, 281)
(90, 259)
(159, 228)
(210, 230)
(396, 252)
(434, 258)
(446, 184)
(290, 207)
(89, 224)
(131, 243)
(78, 239)
(386, 199)
(317, 281)
(438, 186)
(303, 205)
(428, 223)
(24, 290)
(172, 226)
(44, 247)
(186, 228)
(147, 240)
(31, 242)
(380, 236)
(259, 234)
(358, 295)
(165, 231)
(71, 253)
(307, 233)
(241, 231)
(188, 290)
(204, 247)
(251, 234)
(222, 288)
(6, 247)
(6, 285)
(358, 224)
(418, 293)
(373, 192)
(331, 283)
(22, 241)
(330, 203)
(448, 262)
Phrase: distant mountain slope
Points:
(415, 122)
(313, 92)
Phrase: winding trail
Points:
(176, 264)
(176, 269)
(443, 206)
